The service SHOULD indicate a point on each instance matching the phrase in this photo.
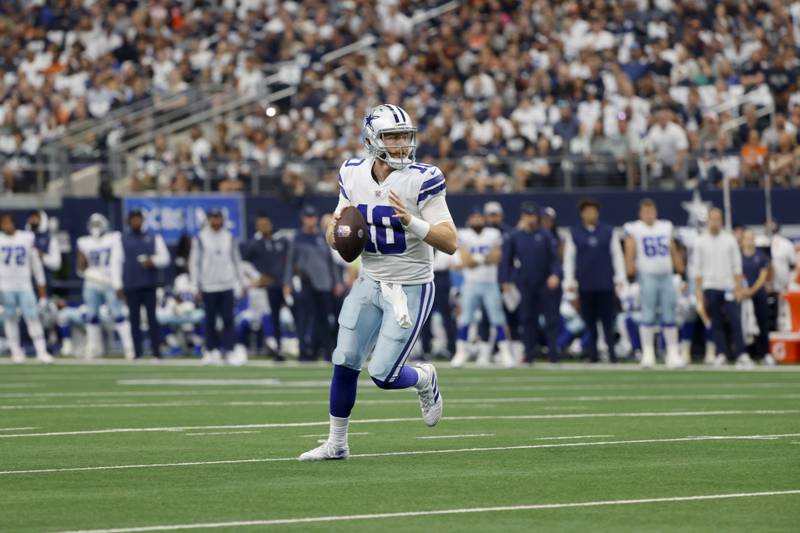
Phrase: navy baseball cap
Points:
(529, 208)
(309, 211)
(214, 212)
(549, 212)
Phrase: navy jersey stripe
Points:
(431, 192)
(431, 182)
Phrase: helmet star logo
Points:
(368, 120)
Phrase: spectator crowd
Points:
(507, 94)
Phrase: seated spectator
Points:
(754, 159)
(667, 146)
(784, 162)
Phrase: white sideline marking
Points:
(409, 452)
(458, 436)
(483, 401)
(223, 382)
(410, 419)
(221, 433)
(503, 509)
(326, 435)
(17, 429)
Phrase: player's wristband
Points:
(418, 227)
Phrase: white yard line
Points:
(482, 401)
(469, 510)
(457, 436)
(220, 433)
(18, 429)
(576, 437)
(409, 452)
(323, 435)
(411, 419)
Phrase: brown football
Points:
(350, 234)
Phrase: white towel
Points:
(749, 323)
(396, 296)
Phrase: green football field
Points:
(167, 447)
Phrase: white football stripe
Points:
(410, 419)
(408, 452)
(457, 436)
(469, 510)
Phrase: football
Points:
(350, 234)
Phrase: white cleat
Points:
(459, 359)
(211, 358)
(675, 360)
(430, 399)
(45, 358)
(743, 362)
(326, 452)
(648, 359)
(17, 358)
(768, 360)
(237, 357)
(720, 361)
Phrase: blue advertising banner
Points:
(173, 216)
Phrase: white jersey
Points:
(393, 254)
(652, 246)
(19, 261)
(104, 256)
(480, 244)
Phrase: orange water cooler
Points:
(785, 345)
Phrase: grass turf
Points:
(222, 414)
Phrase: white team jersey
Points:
(104, 256)
(652, 246)
(391, 253)
(480, 243)
(19, 261)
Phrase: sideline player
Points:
(651, 255)
(403, 204)
(480, 248)
(19, 260)
(100, 258)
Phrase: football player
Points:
(480, 249)
(19, 260)
(651, 255)
(100, 264)
(403, 204)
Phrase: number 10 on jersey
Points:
(388, 236)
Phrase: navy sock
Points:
(407, 378)
(343, 391)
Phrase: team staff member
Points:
(215, 269)
(45, 243)
(718, 286)
(538, 269)
(755, 268)
(267, 254)
(143, 255)
(595, 267)
(310, 258)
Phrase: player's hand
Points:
(120, 294)
(338, 290)
(507, 286)
(553, 282)
(738, 294)
(287, 291)
(400, 211)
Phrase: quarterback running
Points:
(403, 204)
